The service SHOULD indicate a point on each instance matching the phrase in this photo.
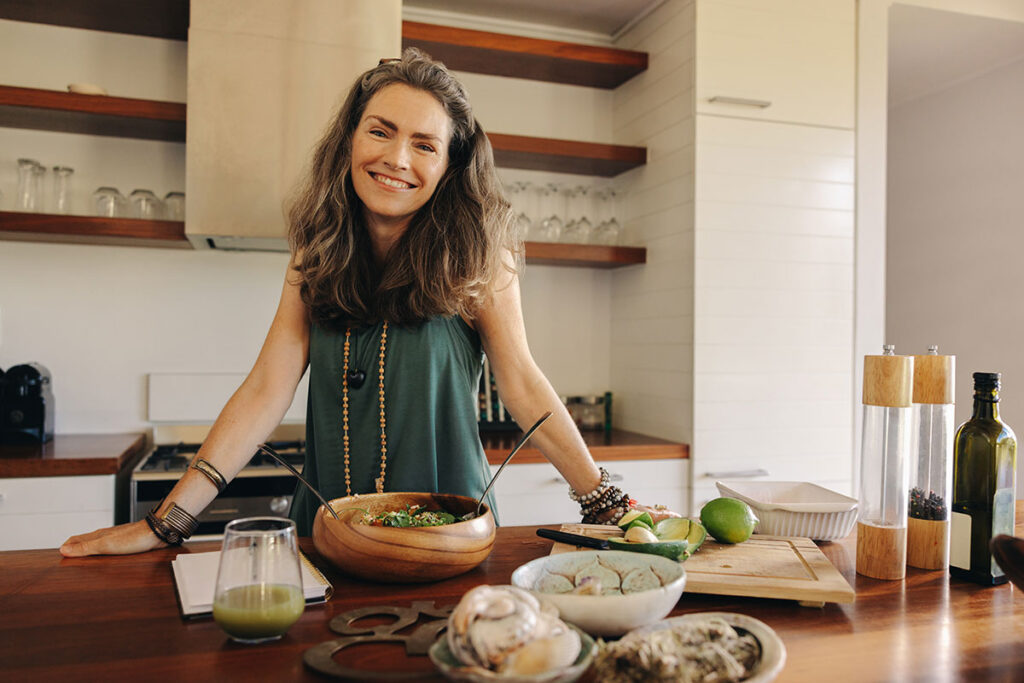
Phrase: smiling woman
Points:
(404, 272)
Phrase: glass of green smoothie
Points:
(259, 584)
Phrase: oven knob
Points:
(279, 505)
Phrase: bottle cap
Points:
(986, 381)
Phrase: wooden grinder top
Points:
(888, 381)
(934, 378)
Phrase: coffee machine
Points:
(26, 405)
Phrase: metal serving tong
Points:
(267, 450)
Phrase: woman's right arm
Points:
(254, 410)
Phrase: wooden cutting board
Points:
(762, 567)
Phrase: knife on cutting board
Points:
(574, 539)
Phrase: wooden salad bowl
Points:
(402, 555)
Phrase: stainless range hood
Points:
(262, 87)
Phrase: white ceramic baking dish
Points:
(795, 508)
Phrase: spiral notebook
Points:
(196, 573)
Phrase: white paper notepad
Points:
(195, 575)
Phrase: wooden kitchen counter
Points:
(114, 618)
(72, 455)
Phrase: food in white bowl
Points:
(708, 646)
(795, 508)
(504, 633)
(605, 592)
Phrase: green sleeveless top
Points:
(431, 380)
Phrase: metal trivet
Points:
(321, 657)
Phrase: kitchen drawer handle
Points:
(742, 101)
(738, 474)
(611, 477)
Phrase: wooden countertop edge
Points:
(48, 466)
(628, 447)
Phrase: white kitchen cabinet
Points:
(42, 512)
(537, 494)
(784, 60)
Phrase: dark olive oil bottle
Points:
(984, 470)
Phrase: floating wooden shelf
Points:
(154, 18)
(43, 227)
(565, 156)
(501, 54)
(617, 445)
(583, 255)
(91, 114)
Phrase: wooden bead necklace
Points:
(379, 481)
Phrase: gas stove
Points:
(263, 487)
(176, 458)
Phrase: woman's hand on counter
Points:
(124, 539)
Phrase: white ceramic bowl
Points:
(607, 615)
(454, 670)
(773, 652)
(795, 508)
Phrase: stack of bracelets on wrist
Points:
(175, 526)
(602, 500)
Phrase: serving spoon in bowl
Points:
(267, 450)
(480, 501)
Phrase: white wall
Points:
(101, 318)
(954, 238)
(652, 305)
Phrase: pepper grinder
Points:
(884, 474)
(931, 468)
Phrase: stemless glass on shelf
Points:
(577, 227)
(552, 210)
(109, 202)
(62, 189)
(174, 206)
(29, 180)
(145, 204)
(258, 595)
(519, 194)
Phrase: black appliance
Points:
(27, 405)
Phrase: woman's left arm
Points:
(527, 393)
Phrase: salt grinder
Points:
(931, 463)
(884, 471)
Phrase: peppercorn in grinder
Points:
(931, 461)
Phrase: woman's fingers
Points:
(116, 540)
(658, 512)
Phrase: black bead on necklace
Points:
(355, 378)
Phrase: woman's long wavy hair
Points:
(455, 246)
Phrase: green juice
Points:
(259, 611)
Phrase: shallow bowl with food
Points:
(402, 554)
(772, 656)
(442, 657)
(648, 587)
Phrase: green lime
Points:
(728, 520)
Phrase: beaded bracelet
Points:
(593, 495)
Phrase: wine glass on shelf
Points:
(518, 197)
(578, 228)
(551, 224)
(608, 229)
(258, 594)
